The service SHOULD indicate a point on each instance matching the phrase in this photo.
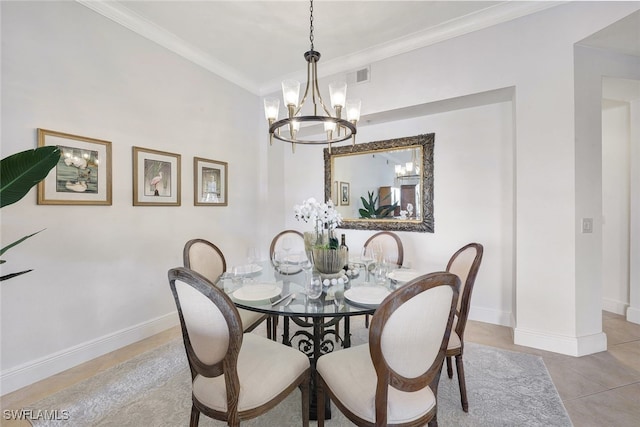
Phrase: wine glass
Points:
(366, 257)
(252, 255)
(306, 262)
(314, 287)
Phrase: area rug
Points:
(153, 389)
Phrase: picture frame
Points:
(82, 176)
(210, 182)
(345, 194)
(156, 178)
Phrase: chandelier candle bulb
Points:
(291, 94)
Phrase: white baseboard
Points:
(571, 346)
(613, 306)
(492, 316)
(44, 367)
(633, 315)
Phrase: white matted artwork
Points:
(156, 178)
(83, 173)
(209, 182)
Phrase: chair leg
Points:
(463, 386)
(366, 320)
(449, 367)
(195, 417)
(319, 401)
(304, 387)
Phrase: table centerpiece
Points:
(328, 258)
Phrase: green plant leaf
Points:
(364, 213)
(21, 171)
(9, 276)
(6, 248)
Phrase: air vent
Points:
(362, 75)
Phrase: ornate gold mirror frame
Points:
(393, 172)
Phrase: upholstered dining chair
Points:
(235, 376)
(293, 238)
(389, 248)
(204, 257)
(389, 245)
(393, 380)
(465, 263)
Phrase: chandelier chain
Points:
(311, 24)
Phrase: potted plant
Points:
(18, 174)
(328, 257)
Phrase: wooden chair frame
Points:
(186, 259)
(228, 365)
(278, 236)
(399, 260)
(463, 314)
(385, 375)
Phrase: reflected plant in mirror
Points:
(393, 179)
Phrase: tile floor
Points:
(601, 389)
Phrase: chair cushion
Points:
(352, 378)
(265, 369)
(454, 341)
(249, 318)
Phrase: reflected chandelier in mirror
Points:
(383, 185)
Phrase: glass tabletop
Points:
(264, 289)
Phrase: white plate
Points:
(404, 275)
(367, 295)
(257, 292)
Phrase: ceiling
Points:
(256, 44)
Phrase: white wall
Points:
(473, 197)
(558, 280)
(616, 161)
(99, 279)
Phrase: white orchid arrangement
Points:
(323, 216)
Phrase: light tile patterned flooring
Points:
(601, 389)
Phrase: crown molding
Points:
(494, 15)
(485, 18)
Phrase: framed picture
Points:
(209, 182)
(156, 178)
(344, 194)
(83, 173)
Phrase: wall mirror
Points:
(394, 177)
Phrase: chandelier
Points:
(336, 129)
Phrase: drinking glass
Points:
(338, 296)
(306, 262)
(381, 272)
(237, 275)
(314, 287)
(366, 257)
(252, 255)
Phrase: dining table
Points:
(281, 292)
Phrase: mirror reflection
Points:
(384, 185)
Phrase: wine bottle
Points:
(343, 244)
